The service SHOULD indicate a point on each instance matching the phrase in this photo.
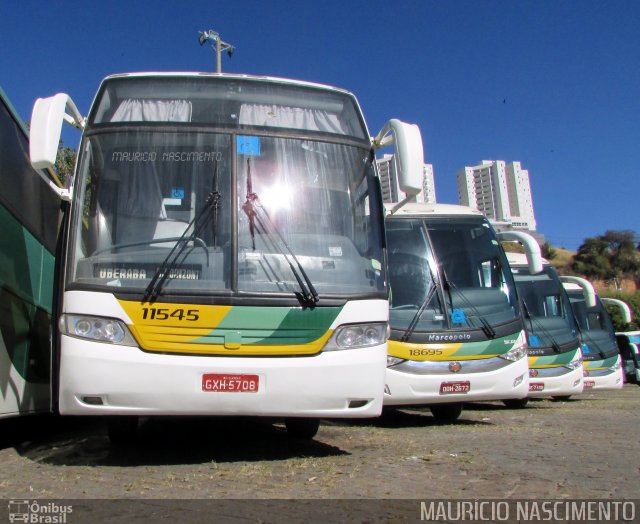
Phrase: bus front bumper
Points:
(509, 380)
(103, 379)
(555, 382)
(604, 379)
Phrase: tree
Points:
(548, 251)
(592, 259)
(612, 256)
(65, 162)
(624, 256)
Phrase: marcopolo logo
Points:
(36, 512)
(449, 337)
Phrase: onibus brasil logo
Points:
(35, 512)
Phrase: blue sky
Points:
(554, 84)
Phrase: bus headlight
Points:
(515, 353)
(96, 328)
(353, 336)
(574, 364)
(616, 366)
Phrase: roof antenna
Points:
(217, 43)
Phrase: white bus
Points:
(629, 346)
(553, 343)
(223, 250)
(602, 365)
(456, 327)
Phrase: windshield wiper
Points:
(486, 327)
(414, 321)
(171, 260)
(554, 344)
(585, 334)
(308, 293)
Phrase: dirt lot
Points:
(586, 447)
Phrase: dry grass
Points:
(562, 260)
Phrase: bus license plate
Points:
(536, 386)
(589, 383)
(230, 383)
(447, 388)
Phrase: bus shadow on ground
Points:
(538, 404)
(170, 441)
(414, 417)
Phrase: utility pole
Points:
(217, 43)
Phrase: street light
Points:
(217, 43)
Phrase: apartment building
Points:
(391, 192)
(501, 191)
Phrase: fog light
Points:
(518, 381)
(93, 401)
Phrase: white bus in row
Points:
(553, 343)
(222, 250)
(456, 326)
(602, 365)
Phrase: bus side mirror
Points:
(409, 153)
(531, 247)
(587, 288)
(623, 307)
(46, 127)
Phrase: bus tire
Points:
(122, 430)
(516, 403)
(302, 427)
(447, 412)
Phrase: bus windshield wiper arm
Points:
(585, 334)
(486, 327)
(414, 321)
(252, 204)
(264, 224)
(554, 344)
(170, 261)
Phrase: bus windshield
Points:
(549, 319)
(216, 186)
(448, 274)
(599, 339)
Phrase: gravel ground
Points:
(584, 448)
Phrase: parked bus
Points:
(629, 346)
(602, 365)
(29, 218)
(553, 344)
(456, 327)
(223, 250)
